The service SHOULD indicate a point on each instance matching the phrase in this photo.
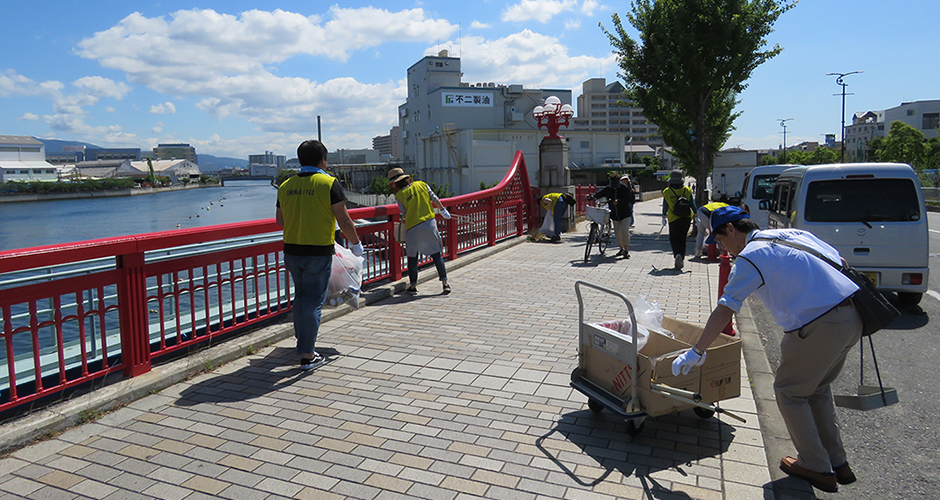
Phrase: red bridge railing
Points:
(73, 313)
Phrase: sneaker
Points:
(825, 481)
(618, 254)
(446, 289)
(556, 238)
(679, 260)
(310, 363)
(412, 290)
(626, 255)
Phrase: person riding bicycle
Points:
(621, 196)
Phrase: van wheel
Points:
(910, 298)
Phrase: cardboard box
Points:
(607, 361)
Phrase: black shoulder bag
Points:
(872, 306)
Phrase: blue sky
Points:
(235, 78)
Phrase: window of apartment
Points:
(585, 144)
(911, 112)
(597, 97)
(931, 121)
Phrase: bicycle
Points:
(600, 230)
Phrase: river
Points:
(38, 223)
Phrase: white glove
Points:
(685, 361)
(357, 249)
(445, 214)
(664, 221)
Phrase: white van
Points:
(873, 213)
(759, 185)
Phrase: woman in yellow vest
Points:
(555, 205)
(702, 224)
(416, 202)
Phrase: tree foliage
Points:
(692, 59)
(904, 144)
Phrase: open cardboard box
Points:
(606, 360)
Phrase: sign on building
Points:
(467, 99)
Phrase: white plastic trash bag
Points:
(345, 279)
(649, 315)
(548, 225)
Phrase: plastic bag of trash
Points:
(345, 279)
(649, 315)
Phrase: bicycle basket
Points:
(598, 215)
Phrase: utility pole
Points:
(841, 82)
(783, 123)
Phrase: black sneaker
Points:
(446, 289)
(310, 363)
(412, 290)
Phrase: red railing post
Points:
(491, 220)
(724, 271)
(132, 299)
(450, 241)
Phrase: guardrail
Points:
(71, 314)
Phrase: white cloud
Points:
(13, 83)
(157, 128)
(229, 62)
(538, 10)
(588, 6)
(528, 58)
(165, 108)
(102, 87)
(29, 116)
(477, 25)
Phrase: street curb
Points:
(20, 431)
(777, 442)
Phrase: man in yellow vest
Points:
(309, 206)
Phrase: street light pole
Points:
(783, 123)
(841, 82)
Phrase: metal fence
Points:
(73, 313)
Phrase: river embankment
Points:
(111, 193)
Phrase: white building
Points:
(465, 134)
(922, 115)
(603, 107)
(174, 169)
(23, 158)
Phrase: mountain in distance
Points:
(207, 163)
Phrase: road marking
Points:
(934, 231)
(933, 294)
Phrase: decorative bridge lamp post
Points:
(552, 115)
(554, 176)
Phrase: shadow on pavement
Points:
(280, 368)
(604, 437)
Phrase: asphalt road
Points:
(894, 450)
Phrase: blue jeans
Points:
(311, 276)
(558, 216)
(438, 263)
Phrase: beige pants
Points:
(810, 360)
(622, 231)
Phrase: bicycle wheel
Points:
(592, 236)
(603, 238)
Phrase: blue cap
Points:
(722, 216)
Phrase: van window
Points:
(853, 200)
(763, 186)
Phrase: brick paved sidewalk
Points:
(432, 396)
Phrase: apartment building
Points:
(603, 107)
(922, 115)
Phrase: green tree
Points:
(282, 175)
(690, 63)
(904, 144)
(822, 156)
(380, 185)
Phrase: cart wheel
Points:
(595, 406)
(703, 413)
(633, 428)
(576, 374)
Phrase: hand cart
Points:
(608, 360)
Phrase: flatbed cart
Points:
(607, 359)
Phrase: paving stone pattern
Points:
(432, 396)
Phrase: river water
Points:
(38, 223)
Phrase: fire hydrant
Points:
(724, 271)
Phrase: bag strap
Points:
(800, 247)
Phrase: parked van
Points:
(759, 185)
(873, 213)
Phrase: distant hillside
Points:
(209, 163)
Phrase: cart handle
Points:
(634, 327)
